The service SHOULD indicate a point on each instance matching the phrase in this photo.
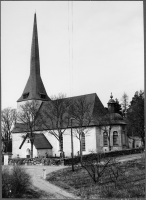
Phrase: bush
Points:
(15, 182)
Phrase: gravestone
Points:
(6, 158)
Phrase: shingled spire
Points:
(34, 88)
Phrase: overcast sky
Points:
(107, 42)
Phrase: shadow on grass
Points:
(34, 192)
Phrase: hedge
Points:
(93, 156)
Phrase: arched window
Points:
(123, 138)
(105, 139)
(115, 138)
(83, 142)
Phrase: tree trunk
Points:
(133, 143)
(143, 139)
(61, 149)
(31, 151)
(81, 150)
(109, 140)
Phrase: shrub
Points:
(15, 182)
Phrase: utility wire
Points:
(70, 34)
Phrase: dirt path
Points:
(128, 157)
(36, 173)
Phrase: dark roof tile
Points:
(41, 142)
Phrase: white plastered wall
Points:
(93, 142)
(16, 142)
(90, 142)
(42, 152)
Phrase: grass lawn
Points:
(130, 185)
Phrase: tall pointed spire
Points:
(34, 88)
(35, 61)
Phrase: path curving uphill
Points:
(36, 173)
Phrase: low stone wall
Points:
(36, 161)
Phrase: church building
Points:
(95, 141)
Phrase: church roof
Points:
(113, 119)
(96, 107)
(41, 142)
(34, 88)
(96, 110)
(99, 115)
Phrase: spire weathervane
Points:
(111, 95)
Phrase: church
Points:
(45, 142)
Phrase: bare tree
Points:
(81, 112)
(116, 172)
(56, 117)
(8, 119)
(28, 117)
(96, 167)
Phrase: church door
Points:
(28, 153)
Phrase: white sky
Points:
(108, 48)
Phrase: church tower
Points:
(111, 104)
(34, 89)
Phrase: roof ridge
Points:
(77, 96)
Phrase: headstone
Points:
(6, 156)
(44, 173)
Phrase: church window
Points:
(25, 95)
(123, 138)
(83, 142)
(105, 139)
(115, 138)
(43, 96)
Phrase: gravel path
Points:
(36, 173)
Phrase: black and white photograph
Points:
(72, 99)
